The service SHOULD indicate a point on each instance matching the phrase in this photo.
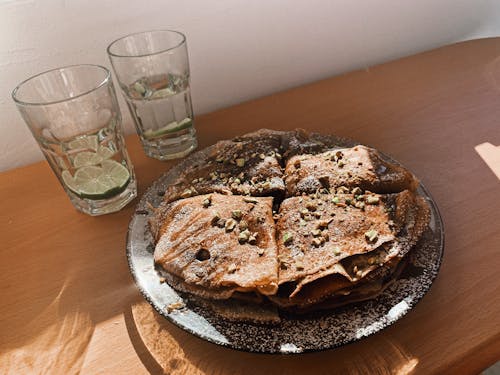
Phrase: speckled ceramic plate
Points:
(294, 334)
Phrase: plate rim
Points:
(228, 345)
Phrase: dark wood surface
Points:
(68, 303)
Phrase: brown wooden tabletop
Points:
(68, 303)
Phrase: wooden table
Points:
(68, 303)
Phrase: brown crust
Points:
(363, 290)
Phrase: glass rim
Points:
(106, 79)
(183, 41)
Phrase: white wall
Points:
(238, 49)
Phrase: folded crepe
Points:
(247, 165)
(359, 166)
(329, 243)
(366, 289)
(300, 141)
(215, 245)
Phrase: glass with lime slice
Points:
(80, 134)
(153, 70)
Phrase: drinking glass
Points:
(152, 69)
(74, 116)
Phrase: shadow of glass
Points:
(53, 337)
(165, 349)
(59, 283)
(59, 346)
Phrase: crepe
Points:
(332, 241)
(302, 142)
(291, 220)
(335, 290)
(218, 245)
(359, 166)
(248, 165)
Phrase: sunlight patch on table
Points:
(408, 367)
(491, 156)
(58, 348)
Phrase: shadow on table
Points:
(165, 349)
(56, 290)
(64, 337)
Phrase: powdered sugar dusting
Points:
(294, 334)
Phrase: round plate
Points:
(294, 334)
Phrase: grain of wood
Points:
(69, 304)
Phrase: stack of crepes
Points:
(287, 219)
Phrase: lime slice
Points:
(61, 162)
(116, 171)
(94, 182)
(87, 142)
(163, 93)
(105, 152)
(86, 158)
(170, 128)
(69, 181)
(138, 87)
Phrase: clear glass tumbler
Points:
(153, 71)
(75, 118)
